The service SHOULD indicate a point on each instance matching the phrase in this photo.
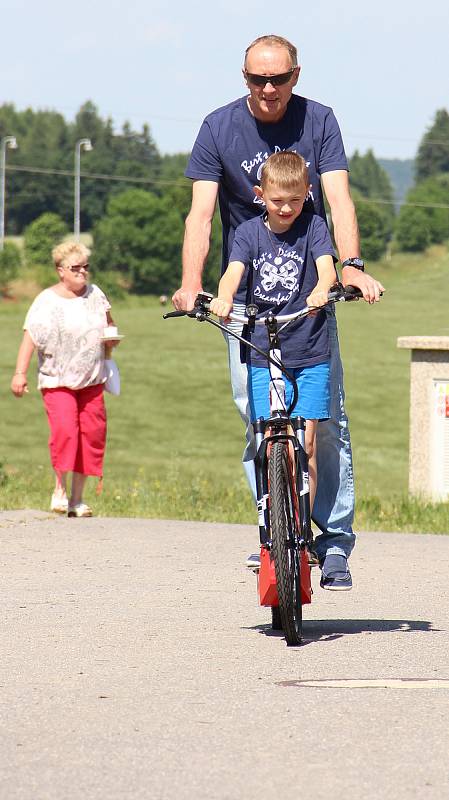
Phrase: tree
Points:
(427, 222)
(41, 236)
(401, 172)
(433, 152)
(46, 151)
(374, 227)
(376, 219)
(172, 166)
(140, 239)
(42, 138)
(369, 177)
(10, 262)
(412, 231)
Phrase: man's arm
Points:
(196, 243)
(346, 233)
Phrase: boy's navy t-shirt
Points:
(283, 275)
(232, 146)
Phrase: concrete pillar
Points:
(429, 416)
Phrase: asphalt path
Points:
(136, 663)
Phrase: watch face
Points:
(354, 262)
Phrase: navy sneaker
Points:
(253, 561)
(335, 573)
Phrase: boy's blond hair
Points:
(285, 170)
(63, 251)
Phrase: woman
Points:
(65, 324)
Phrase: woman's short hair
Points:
(286, 170)
(275, 41)
(62, 252)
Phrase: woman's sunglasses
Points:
(275, 80)
(78, 268)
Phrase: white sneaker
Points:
(59, 503)
(79, 510)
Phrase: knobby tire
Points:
(284, 547)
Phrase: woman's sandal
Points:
(59, 503)
(79, 510)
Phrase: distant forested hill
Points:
(401, 174)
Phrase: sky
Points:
(383, 66)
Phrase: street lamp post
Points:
(7, 141)
(86, 144)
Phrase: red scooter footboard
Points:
(268, 595)
(306, 585)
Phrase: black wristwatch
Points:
(358, 263)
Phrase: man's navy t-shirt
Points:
(283, 275)
(232, 146)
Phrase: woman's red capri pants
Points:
(77, 421)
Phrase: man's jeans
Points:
(333, 510)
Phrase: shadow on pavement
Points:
(329, 629)
(315, 630)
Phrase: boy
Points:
(290, 258)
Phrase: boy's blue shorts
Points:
(313, 391)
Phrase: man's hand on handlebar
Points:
(370, 288)
(184, 298)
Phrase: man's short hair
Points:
(275, 41)
(286, 170)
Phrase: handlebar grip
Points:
(335, 292)
(352, 293)
(175, 314)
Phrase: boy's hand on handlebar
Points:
(221, 307)
(317, 298)
(370, 288)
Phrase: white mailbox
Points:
(429, 416)
(439, 449)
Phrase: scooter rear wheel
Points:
(284, 537)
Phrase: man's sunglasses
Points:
(275, 80)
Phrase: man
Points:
(226, 160)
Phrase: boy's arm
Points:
(222, 305)
(326, 278)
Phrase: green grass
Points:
(175, 440)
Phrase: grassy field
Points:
(175, 439)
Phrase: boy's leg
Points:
(313, 404)
(310, 448)
(258, 392)
(333, 510)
